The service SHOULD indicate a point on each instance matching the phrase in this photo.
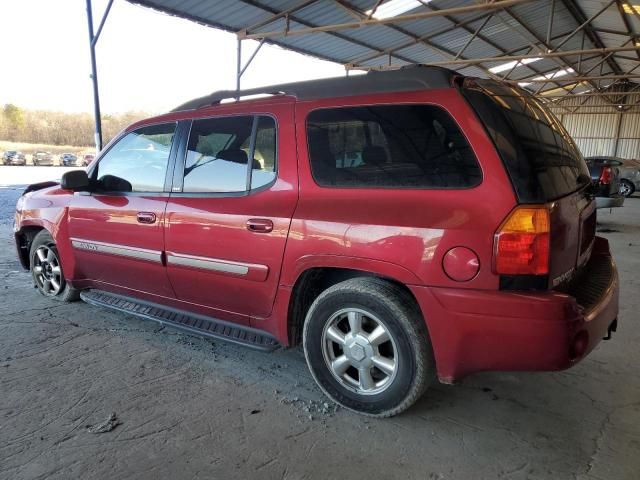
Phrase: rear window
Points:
(389, 146)
(540, 156)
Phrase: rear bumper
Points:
(473, 331)
(609, 202)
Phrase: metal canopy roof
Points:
(569, 46)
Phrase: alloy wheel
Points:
(360, 351)
(47, 271)
(625, 189)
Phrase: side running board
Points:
(190, 322)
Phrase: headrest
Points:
(233, 155)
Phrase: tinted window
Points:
(138, 162)
(541, 158)
(264, 165)
(415, 146)
(219, 150)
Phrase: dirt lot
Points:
(193, 408)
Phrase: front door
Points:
(117, 231)
(228, 223)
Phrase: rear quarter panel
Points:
(399, 233)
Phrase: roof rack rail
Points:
(217, 97)
(410, 78)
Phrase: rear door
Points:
(230, 210)
(117, 231)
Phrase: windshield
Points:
(540, 156)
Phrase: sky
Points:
(147, 61)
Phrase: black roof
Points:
(402, 80)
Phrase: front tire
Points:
(46, 269)
(367, 347)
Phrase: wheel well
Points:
(312, 283)
(24, 238)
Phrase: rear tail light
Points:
(605, 176)
(522, 243)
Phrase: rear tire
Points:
(367, 347)
(46, 269)
(627, 188)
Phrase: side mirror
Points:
(76, 180)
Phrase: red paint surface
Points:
(404, 235)
(461, 264)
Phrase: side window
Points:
(264, 163)
(219, 150)
(138, 162)
(405, 146)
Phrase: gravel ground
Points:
(170, 405)
(8, 197)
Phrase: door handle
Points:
(146, 217)
(259, 225)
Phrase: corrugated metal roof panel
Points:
(380, 36)
(423, 54)
(454, 40)
(536, 16)
(504, 32)
(609, 19)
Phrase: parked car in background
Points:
(41, 159)
(605, 176)
(68, 160)
(401, 226)
(629, 177)
(13, 157)
(87, 158)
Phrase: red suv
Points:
(401, 225)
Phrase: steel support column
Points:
(617, 139)
(93, 40)
(238, 68)
(94, 78)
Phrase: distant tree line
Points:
(58, 128)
